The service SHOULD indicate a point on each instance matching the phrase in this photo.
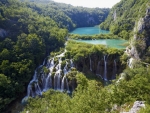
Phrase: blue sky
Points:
(90, 3)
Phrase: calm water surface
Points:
(114, 43)
(89, 31)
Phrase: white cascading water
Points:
(57, 76)
(98, 70)
(38, 85)
(64, 78)
(130, 63)
(48, 80)
(105, 68)
(37, 89)
(71, 63)
(34, 79)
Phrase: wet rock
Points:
(140, 42)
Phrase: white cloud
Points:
(91, 3)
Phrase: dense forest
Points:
(29, 31)
(68, 16)
(101, 79)
(122, 17)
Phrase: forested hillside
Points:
(122, 17)
(29, 31)
(25, 39)
(68, 16)
(129, 19)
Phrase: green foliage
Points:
(30, 37)
(91, 96)
(79, 51)
(145, 110)
(34, 29)
(88, 37)
(127, 13)
(68, 16)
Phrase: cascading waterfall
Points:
(48, 83)
(41, 81)
(98, 70)
(105, 68)
(37, 89)
(114, 70)
(57, 76)
(48, 80)
(64, 78)
(29, 89)
(71, 63)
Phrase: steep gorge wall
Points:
(104, 66)
(140, 43)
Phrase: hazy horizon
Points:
(90, 3)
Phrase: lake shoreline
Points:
(113, 43)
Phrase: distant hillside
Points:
(123, 16)
(29, 31)
(68, 16)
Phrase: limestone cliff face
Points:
(141, 39)
(115, 15)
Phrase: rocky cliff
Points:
(140, 42)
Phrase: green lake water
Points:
(89, 31)
(114, 43)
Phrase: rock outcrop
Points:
(136, 107)
(114, 15)
(141, 39)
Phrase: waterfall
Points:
(63, 84)
(42, 81)
(29, 88)
(37, 89)
(98, 70)
(48, 83)
(90, 64)
(105, 68)
(64, 78)
(114, 70)
(58, 81)
(57, 76)
(65, 68)
(130, 63)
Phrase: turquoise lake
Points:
(114, 43)
(89, 31)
